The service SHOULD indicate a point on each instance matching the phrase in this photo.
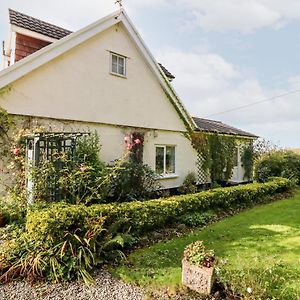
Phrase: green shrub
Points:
(189, 184)
(11, 213)
(197, 218)
(64, 241)
(76, 178)
(141, 217)
(278, 164)
(134, 181)
(69, 251)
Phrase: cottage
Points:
(104, 78)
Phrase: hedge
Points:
(52, 222)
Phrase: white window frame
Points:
(165, 174)
(111, 64)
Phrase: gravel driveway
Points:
(106, 288)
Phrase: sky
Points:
(225, 54)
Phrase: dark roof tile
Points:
(36, 25)
(219, 127)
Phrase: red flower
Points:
(16, 151)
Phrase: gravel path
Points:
(106, 288)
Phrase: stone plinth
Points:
(199, 279)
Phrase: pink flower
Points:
(16, 151)
(82, 168)
(137, 141)
(127, 139)
(129, 147)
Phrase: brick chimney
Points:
(28, 35)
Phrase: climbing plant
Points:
(218, 153)
(247, 158)
(6, 123)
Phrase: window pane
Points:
(114, 67)
(159, 165)
(121, 66)
(121, 70)
(170, 160)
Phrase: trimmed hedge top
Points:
(52, 222)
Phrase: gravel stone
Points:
(106, 287)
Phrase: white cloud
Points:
(217, 15)
(240, 15)
(198, 71)
(208, 85)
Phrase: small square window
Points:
(165, 160)
(118, 64)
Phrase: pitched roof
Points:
(46, 54)
(50, 30)
(219, 127)
(36, 25)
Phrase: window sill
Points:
(168, 176)
(118, 75)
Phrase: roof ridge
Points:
(220, 127)
(210, 120)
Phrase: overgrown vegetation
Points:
(247, 159)
(281, 163)
(77, 178)
(189, 185)
(219, 154)
(80, 176)
(64, 241)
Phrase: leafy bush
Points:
(64, 241)
(197, 218)
(77, 178)
(141, 217)
(81, 177)
(278, 164)
(134, 181)
(11, 213)
(189, 184)
(70, 252)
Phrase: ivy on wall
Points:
(6, 123)
(219, 154)
(247, 159)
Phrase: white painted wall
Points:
(238, 171)
(78, 86)
(113, 145)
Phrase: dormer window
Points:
(118, 64)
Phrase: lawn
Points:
(257, 249)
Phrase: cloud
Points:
(240, 15)
(209, 85)
(198, 71)
(217, 15)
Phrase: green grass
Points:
(259, 248)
